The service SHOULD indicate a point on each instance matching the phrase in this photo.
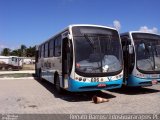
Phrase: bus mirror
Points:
(130, 49)
(69, 36)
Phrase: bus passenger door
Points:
(66, 62)
(125, 46)
(36, 61)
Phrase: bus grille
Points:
(148, 82)
(96, 87)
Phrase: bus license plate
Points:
(101, 85)
(154, 82)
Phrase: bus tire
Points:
(57, 85)
(40, 76)
(37, 73)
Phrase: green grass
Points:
(16, 75)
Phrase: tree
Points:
(6, 52)
(16, 52)
(23, 50)
(30, 52)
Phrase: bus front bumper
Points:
(135, 81)
(77, 86)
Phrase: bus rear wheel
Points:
(57, 85)
(40, 76)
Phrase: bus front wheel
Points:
(57, 85)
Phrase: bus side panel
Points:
(51, 65)
(51, 69)
(44, 70)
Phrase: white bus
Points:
(82, 58)
(141, 53)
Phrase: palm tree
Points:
(6, 52)
(23, 50)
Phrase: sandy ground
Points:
(30, 96)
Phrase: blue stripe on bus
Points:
(136, 81)
(76, 86)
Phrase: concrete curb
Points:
(14, 72)
(20, 78)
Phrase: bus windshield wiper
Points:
(150, 51)
(154, 64)
(91, 42)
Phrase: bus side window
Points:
(58, 46)
(51, 48)
(46, 50)
(15, 59)
(39, 52)
(12, 58)
(42, 50)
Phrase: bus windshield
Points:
(97, 50)
(147, 51)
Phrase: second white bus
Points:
(141, 52)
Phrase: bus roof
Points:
(91, 25)
(72, 25)
(130, 32)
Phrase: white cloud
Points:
(117, 24)
(146, 29)
(2, 46)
